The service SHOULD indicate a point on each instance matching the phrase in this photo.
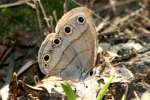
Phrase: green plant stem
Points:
(104, 88)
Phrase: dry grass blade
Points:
(14, 4)
(25, 67)
(44, 13)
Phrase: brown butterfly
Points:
(70, 51)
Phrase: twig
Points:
(6, 54)
(44, 14)
(123, 21)
(113, 5)
(31, 5)
(38, 15)
(76, 2)
(36, 79)
(55, 16)
(92, 3)
(101, 25)
(131, 15)
(65, 6)
(51, 22)
(118, 4)
(14, 4)
(11, 69)
(25, 67)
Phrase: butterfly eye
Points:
(80, 20)
(46, 58)
(68, 30)
(57, 41)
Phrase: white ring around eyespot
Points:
(60, 41)
(79, 21)
(70, 30)
(48, 59)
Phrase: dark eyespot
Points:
(68, 30)
(45, 65)
(57, 41)
(80, 20)
(91, 73)
(46, 57)
(86, 86)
